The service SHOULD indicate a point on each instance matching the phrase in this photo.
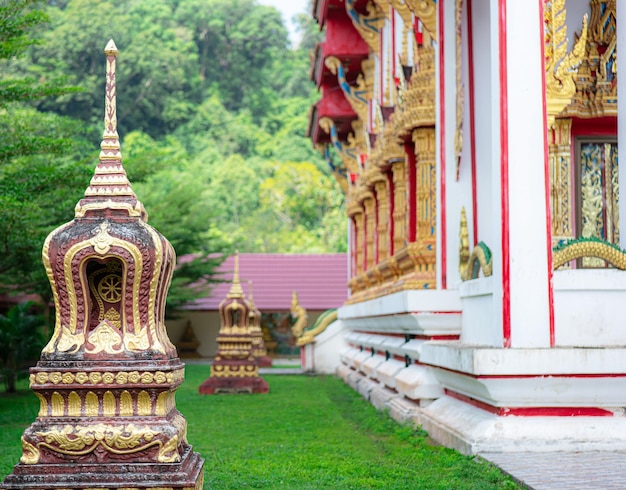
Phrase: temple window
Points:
(598, 191)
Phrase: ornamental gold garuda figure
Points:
(235, 369)
(107, 378)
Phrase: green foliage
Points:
(212, 110)
(307, 433)
(21, 340)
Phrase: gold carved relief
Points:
(403, 9)
(560, 180)
(560, 66)
(426, 11)
(80, 440)
(596, 77)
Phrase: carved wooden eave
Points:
(369, 25)
(402, 7)
(361, 92)
(349, 150)
(561, 66)
(426, 11)
(596, 79)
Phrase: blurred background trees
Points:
(212, 113)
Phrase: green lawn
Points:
(308, 433)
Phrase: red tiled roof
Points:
(319, 279)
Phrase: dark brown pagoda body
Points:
(235, 369)
(107, 378)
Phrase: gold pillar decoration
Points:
(460, 91)
(369, 25)
(359, 221)
(382, 197)
(370, 238)
(404, 53)
(426, 11)
(426, 176)
(398, 169)
(560, 180)
(561, 67)
(359, 94)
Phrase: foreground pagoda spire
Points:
(107, 378)
(235, 369)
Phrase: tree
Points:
(173, 197)
(33, 187)
(21, 340)
(237, 42)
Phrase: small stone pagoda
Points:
(258, 345)
(107, 378)
(235, 369)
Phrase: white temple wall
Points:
(590, 307)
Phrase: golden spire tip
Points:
(111, 49)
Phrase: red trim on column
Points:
(546, 166)
(376, 235)
(442, 147)
(504, 175)
(532, 411)
(472, 117)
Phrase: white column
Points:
(528, 273)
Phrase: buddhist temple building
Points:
(235, 368)
(107, 379)
(477, 144)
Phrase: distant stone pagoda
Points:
(235, 369)
(107, 378)
(258, 345)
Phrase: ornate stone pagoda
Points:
(235, 368)
(107, 378)
(258, 345)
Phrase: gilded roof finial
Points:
(110, 178)
(236, 291)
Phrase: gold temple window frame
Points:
(579, 140)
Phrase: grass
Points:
(307, 433)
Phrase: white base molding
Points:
(472, 430)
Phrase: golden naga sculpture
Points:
(358, 95)
(426, 11)
(589, 247)
(561, 67)
(369, 25)
(300, 314)
(321, 323)
(480, 258)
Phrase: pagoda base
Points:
(228, 384)
(188, 474)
